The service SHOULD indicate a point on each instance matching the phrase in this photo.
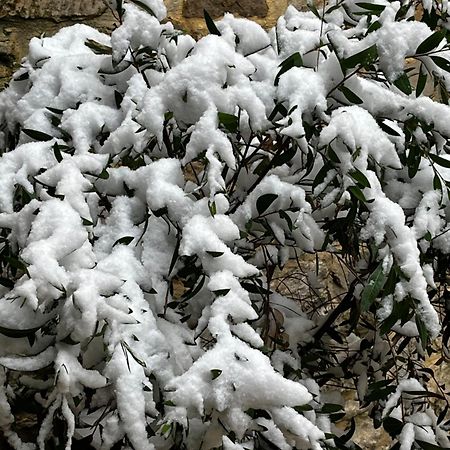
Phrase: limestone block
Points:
(51, 9)
(216, 8)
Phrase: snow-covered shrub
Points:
(150, 185)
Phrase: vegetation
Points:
(150, 188)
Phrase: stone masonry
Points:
(20, 20)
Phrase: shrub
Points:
(150, 186)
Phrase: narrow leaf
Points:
(431, 42)
(356, 192)
(377, 9)
(97, 47)
(264, 202)
(210, 24)
(374, 285)
(144, 7)
(214, 254)
(439, 160)
(229, 121)
(441, 62)
(37, 135)
(220, 292)
(350, 95)
(360, 178)
(362, 58)
(124, 240)
(402, 83)
(57, 152)
(421, 81)
(295, 60)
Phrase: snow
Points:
(147, 218)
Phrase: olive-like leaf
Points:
(124, 240)
(350, 95)
(439, 160)
(421, 81)
(215, 373)
(214, 254)
(37, 135)
(264, 202)
(443, 63)
(431, 42)
(210, 24)
(402, 83)
(362, 58)
(229, 121)
(374, 285)
(295, 60)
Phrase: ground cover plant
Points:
(150, 186)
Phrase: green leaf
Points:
(144, 7)
(212, 208)
(375, 26)
(421, 81)
(214, 254)
(104, 175)
(98, 48)
(402, 83)
(166, 428)
(362, 58)
(431, 42)
(220, 292)
(131, 352)
(215, 373)
(360, 178)
(423, 332)
(37, 135)
(229, 121)
(303, 408)
(387, 129)
(321, 174)
(392, 426)
(210, 24)
(118, 97)
(330, 408)
(437, 184)
(424, 394)
(377, 9)
(14, 333)
(6, 282)
(374, 285)
(284, 215)
(413, 160)
(295, 60)
(443, 63)
(356, 192)
(57, 152)
(350, 95)
(56, 111)
(427, 446)
(160, 212)
(264, 202)
(124, 240)
(284, 157)
(439, 160)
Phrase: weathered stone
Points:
(54, 9)
(216, 8)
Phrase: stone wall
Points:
(20, 20)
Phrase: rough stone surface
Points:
(51, 9)
(216, 8)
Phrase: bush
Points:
(150, 187)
